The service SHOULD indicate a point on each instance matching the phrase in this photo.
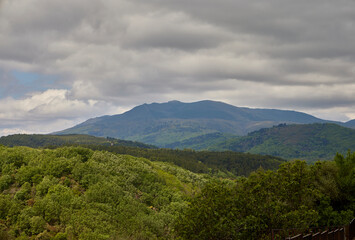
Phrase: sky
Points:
(64, 61)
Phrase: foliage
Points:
(294, 196)
(214, 163)
(346, 181)
(221, 164)
(211, 214)
(77, 193)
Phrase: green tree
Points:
(251, 207)
(213, 214)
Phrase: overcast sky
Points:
(64, 61)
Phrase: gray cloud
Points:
(119, 53)
(171, 30)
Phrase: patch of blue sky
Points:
(18, 84)
(31, 81)
(25, 78)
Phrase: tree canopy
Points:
(79, 193)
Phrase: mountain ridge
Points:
(163, 124)
(350, 124)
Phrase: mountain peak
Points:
(174, 101)
(162, 124)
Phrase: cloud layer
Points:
(48, 110)
(98, 57)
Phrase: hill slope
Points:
(214, 163)
(304, 141)
(77, 193)
(172, 122)
(39, 140)
(350, 124)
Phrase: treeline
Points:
(215, 163)
(297, 195)
(223, 164)
(40, 140)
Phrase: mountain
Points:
(302, 141)
(350, 124)
(39, 140)
(202, 142)
(167, 124)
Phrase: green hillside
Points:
(40, 140)
(79, 194)
(226, 164)
(201, 142)
(213, 163)
(295, 197)
(306, 141)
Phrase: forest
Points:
(310, 142)
(46, 140)
(221, 164)
(80, 193)
(216, 163)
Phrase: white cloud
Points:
(49, 110)
(10, 131)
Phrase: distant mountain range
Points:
(210, 125)
(165, 124)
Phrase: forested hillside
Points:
(226, 163)
(78, 193)
(215, 163)
(40, 140)
(310, 142)
(295, 196)
(202, 142)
